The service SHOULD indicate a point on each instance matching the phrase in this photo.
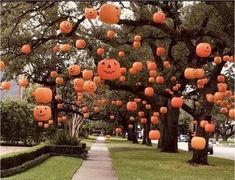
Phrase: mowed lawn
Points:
(54, 168)
(138, 162)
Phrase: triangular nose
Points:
(109, 66)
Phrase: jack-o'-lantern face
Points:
(78, 82)
(109, 13)
(89, 87)
(109, 69)
(74, 70)
(131, 106)
(203, 50)
(66, 27)
(42, 113)
(90, 13)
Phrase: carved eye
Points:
(103, 63)
(115, 63)
(45, 108)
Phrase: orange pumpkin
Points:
(154, 120)
(199, 73)
(228, 93)
(122, 79)
(231, 113)
(151, 79)
(160, 79)
(156, 114)
(26, 49)
(209, 128)
(131, 106)
(203, 50)
(154, 134)
(59, 80)
(2, 65)
(138, 66)
(50, 122)
(86, 115)
(141, 114)
(43, 95)
(89, 87)
(74, 70)
(65, 47)
(226, 58)
(220, 78)
(66, 27)
(133, 71)
(224, 110)
(110, 34)
(152, 73)
(147, 106)
(198, 143)
(149, 91)
(90, 13)
(109, 69)
(78, 82)
(159, 17)
(177, 102)
(80, 44)
(46, 126)
(53, 74)
(203, 123)
(118, 130)
(163, 110)
(122, 70)
(217, 60)
(130, 126)
(160, 51)
(84, 109)
(210, 98)
(152, 66)
(109, 13)
(136, 44)
(143, 120)
(118, 103)
(189, 73)
(56, 49)
(79, 96)
(23, 82)
(96, 109)
(219, 96)
(97, 80)
(100, 51)
(5, 85)
(40, 124)
(137, 38)
(87, 74)
(42, 113)
(222, 87)
(121, 54)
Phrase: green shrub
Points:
(61, 138)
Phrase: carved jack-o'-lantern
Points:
(109, 13)
(42, 113)
(203, 50)
(89, 87)
(66, 27)
(131, 106)
(109, 69)
(90, 13)
(43, 95)
(159, 17)
(78, 84)
(74, 70)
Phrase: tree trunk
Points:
(129, 136)
(134, 136)
(144, 135)
(148, 141)
(169, 131)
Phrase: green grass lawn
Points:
(54, 168)
(138, 162)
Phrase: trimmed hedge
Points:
(14, 164)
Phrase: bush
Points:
(18, 124)
(61, 138)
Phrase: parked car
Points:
(183, 138)
(209, 148)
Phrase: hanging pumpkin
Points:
(110, 34)
(56, 49)
(177, 102)
(132, 118)
(132, 71)
(219, 96)
(231, 113)
(80, 44)
(154, 134)
(89, 87)
(97, 80)
(78, 82)
(26, 49)
(90, 13)
(220, 78)
(65, 47)
(163, 110)
(159, 17)
(130, 126)
(203, 50)
(141, 114)
(152, 73)
(151, 66)
(138, 66)
(131, 106)
(160, 80)
(143, 120)
(122, 70)
(59, 81)
(222, 87)
(149, 91)
(136, 44)
(109, 13)
(160, 51)
(96, 109)
(210, 98)
(203, 123)
(100, 51)
(137, 38)
(147, 106)
(2, 65)
(23, 82)
(198, 143)
(118, 130)
(43, 95)
(87, 74)
(189, 73)
(122, 79)
(199, 73)
(5, 85)
(151, 79)
(109, 69)
(42, 113)
(154, 120)
(74, 70)
(217, 60)
(66, 27)
(118, 103)
(209, 128)
(121, 54)
(53, 74)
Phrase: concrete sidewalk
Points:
(98, 164)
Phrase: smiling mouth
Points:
(109, 72)
(41, 115)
